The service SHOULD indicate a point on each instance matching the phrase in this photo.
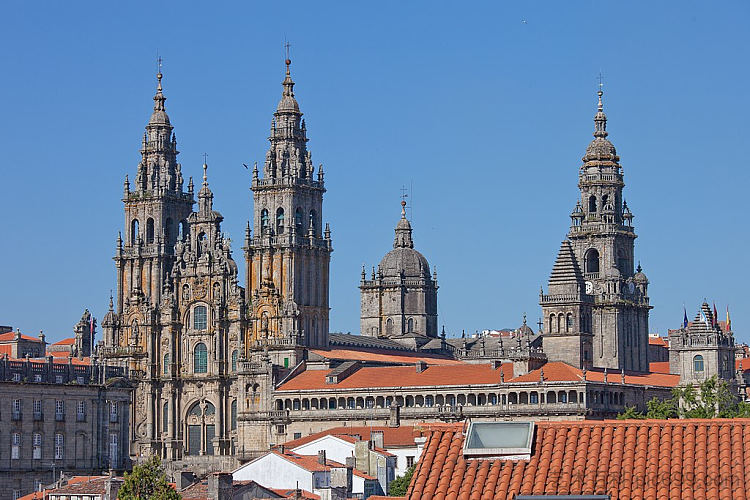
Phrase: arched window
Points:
(150, 230)
(389, 327)
(166, 364)
(264, 222)
(200, 358)
(234, 360)
(698, 364)
(298, 220)
(592, 204)
(280, 221)
(234, 415)
(199, 318)
(134, 231)
(592, 261)
(165, 417)
(410, 325)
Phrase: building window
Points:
(698, 364)
(166, 364)
(36, 450)
(199, 318)
(280, 221)
(59, 410)
(81, 411)
(409, 461)
(15, 447)
(234, 360)
(264, 222)
(592, 261)
(234, 414)
(200, 358)
(165, 417)
(113, 411)
(59, 446)
(37, 409)
(113, 450)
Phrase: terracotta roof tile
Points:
(8, 336)
(392, 436)
(384, 356)
(660, 459)
(402, 376)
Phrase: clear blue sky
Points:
(485, 115)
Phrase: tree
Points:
(711, 399)
(147, 481)
(398, 486)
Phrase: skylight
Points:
(509, 440)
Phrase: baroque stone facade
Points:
(596, 308)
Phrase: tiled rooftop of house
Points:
(670, 459)
(557, 371)
(383, 356)
(392, 436)
(402, 376)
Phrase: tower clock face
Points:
(589, 287)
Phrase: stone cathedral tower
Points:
(596, 312)
(288, 253)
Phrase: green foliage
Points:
(711, 399)
(398, 486)
(147, 481)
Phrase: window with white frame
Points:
(59, 446)
(81, 411)
(15, 446)
(59, 410)
(36, 450)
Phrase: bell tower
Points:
(611, 305)
(288, 252)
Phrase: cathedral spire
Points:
(600, 119)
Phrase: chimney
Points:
(395, 419)
(421, 366)
(220, 486)
(322, 457)
(377, 439)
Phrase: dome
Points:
(601, 149)
(159, 117)
(411, 262)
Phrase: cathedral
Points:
(224, 370)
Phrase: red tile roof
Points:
(402, 376)
(383, 356)
(557, 371)
(68, 341)
(392, 436)
(6, 337)
(675, 459)
(660, 341)
(659, 367)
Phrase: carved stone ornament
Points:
(201, 287)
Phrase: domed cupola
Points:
(403, 260)
(600, 149)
